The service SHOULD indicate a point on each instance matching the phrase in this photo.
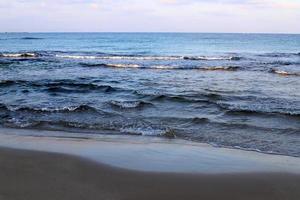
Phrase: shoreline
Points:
(115, 167)
(26, 174)
(150, 154)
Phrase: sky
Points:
(246, 16)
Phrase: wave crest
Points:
(137, 57)
(220, 68)
(129, 104)
(116, 57)
(79, 108)
(19, 55)
(211, 58)
(284, 73)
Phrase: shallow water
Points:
(235, 90)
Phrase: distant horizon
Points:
(262, 33)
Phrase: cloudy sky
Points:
(275, 16)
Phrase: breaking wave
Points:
(80, 108)
(136, 57)
(220, 68)
(211, 58)
(163, 67)
(55, 87)
(121, 57)
(19, 55)
(110, 65)
(129, 104)
(253, 110)
(284, 73)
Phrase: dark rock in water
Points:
(170, 134)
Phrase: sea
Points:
(229, 90)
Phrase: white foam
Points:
(163, 67)
(143, 131)
(209, 58)
(285, 73)
(123, 65)
(121, 57)
(76, 56)
(15, 55)
(126, 104)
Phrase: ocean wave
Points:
(143, 131)
(74, 84)
(212, 58)
(79, 89)
(110, 65)
(175, 98)
(169, 67)
(213, 68)
(93, 64)
(236, 110)
(220, 68)
(142, 57)
(7, 83)
(31, 38)
(279, 62)
(210, 97)
(198, 120)
(277, 55)
(19, 55)
(5, 63)
(59, 86)
(115, 57)
(53, 125)
(78, 57)
(133, 66)
(78, 108)
(284, 73)
(163, 67)
(137, 57)
(123, 65)
(129, 104)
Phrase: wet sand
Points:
(35, 166)
(37, 175)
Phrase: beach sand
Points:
(32, 175)
(34, 166)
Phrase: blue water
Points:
(233, 90)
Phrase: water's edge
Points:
(152, 154)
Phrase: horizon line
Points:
(191, 32)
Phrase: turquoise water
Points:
(151, 43)
(234, 90)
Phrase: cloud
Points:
(154, 15)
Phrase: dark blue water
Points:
(234, 90)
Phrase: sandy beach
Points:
(36, 175)
(122, 168)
